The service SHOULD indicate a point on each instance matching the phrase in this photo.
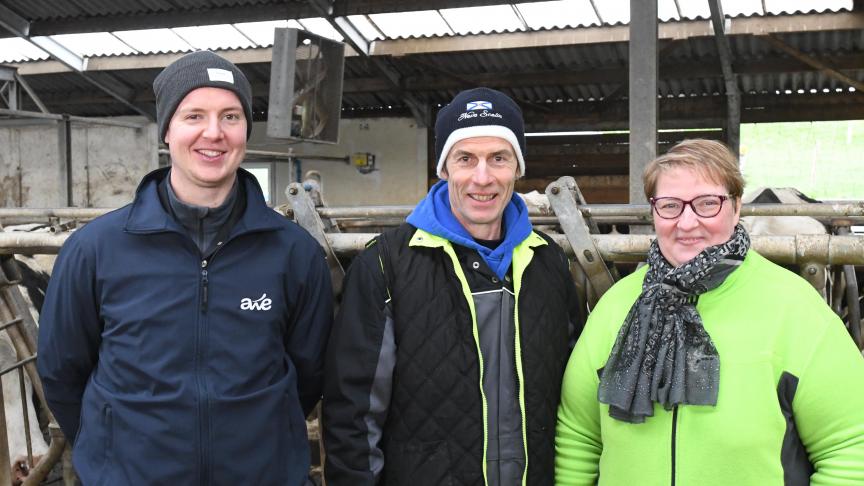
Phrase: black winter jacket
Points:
(402, 402)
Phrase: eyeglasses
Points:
(706, 206)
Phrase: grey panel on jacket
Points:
(379, 398)
(505, 455)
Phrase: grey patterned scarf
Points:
(663, 353)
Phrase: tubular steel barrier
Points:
(601, 213)
(578, 237)
(794, 249)
(14, 314)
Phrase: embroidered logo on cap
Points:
(223, 75)
(478, 105)
(481, 109)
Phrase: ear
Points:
(444, 175)
(737, 213)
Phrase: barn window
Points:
(266, 174)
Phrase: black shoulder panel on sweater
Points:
(796, 463)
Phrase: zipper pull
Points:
(204, 286)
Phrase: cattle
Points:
(780, 225)
(847, 304)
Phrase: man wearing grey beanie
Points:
(445, 362)
(182, 335)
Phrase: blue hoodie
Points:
(434, 215)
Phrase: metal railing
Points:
(13, 317)
(812, 253)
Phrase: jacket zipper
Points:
(204, 283)
(204, 402)
(674, 438)
(204, 416)
(517, 354)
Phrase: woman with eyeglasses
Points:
(710, 365)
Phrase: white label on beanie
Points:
(479, 105)
(220, 75)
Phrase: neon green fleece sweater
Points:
(771, 330)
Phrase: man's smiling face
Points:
(480, 174)
(207, 141)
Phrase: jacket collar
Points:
(148, 215)
(426, 239)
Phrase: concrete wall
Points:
(107, 164)
(400, 150)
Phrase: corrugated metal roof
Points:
(494, 19)
(604, 56)
(53, 10)
(424, 72)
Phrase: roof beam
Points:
(275, 10)
(171, 19)
(13, 22)
(20, 27)
(699, 112)
(733, 96)
(619, 33)
(59, 52)
(702, 112)
(515, 40)
(360, 45)
(582, 35)
(433, 82)
(119, 91)
(107, 83)
(362, 7)
(811, 61)
(602, 74)
(143, 61)
(33, 96)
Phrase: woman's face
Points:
(684, 237)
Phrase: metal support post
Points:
(733, 95)
(643, 92)
(561, 194)
(8, 88)
(307, 217)
(67, 139)
(64, 166)
(852, 295)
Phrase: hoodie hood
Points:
(434, 215)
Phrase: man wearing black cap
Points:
(445, 362)
(182, 336)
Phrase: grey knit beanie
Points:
(198, 70)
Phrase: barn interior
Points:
(700, 69)
(345, 95)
